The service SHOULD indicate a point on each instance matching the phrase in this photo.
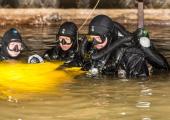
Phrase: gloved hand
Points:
(87, 56)
(93, 72)
(35, 59)
(72, 63)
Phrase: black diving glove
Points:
(87, 56)
(69, 64)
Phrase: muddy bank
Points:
(57, 16)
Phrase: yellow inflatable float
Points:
(18, 79)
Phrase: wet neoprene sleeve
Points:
(155, 58)
(51, 54)
(112, 47)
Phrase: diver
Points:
(111, 49)
(66, 47)
(103, 32)
(11, 45)
(154, 59)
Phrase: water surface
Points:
(47, 94)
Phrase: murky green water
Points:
(90, 99)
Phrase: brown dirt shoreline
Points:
(56, 16)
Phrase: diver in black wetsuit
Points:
(11, 45)
(103, 33)
(137, 59)
(113, 49)
(66, 48)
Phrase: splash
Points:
(18, 79)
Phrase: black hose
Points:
(112, 47)
(83, 47)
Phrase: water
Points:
(79, 97)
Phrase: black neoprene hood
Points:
(100, 25)
(10, 35)
(68, 29)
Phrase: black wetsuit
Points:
(126, 54)
(136, 58)
(70, 57)
(105, 61)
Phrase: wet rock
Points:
(29, 3)
(106, 3)
(45, 20)
(131, 3)
(43, 3)
(10, 3)
(68, 4)
(148, 3)
(83, 4)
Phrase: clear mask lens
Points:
(15, 47)
(64, 42)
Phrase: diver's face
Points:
(99, 43)
(65, 43)
(14, 49)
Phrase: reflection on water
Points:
(29, 92)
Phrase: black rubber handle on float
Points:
(112, 47)
(156, 58)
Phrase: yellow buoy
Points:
(18, 79)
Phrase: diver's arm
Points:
(113, 47)
(74, 60)
(51, 54)
(153, 57)
(46, 55)
(2, 58)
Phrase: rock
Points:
(68, 4)
(131, 3)
(10, 3)
(29, 3)
(82, 3)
